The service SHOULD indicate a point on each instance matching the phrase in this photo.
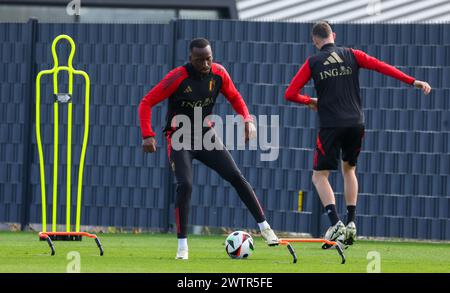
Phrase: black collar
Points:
(328, 45)
(194, 73)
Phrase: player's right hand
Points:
(313, 104)
(149, 145)
(423, 85)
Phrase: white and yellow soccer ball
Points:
(239, 245)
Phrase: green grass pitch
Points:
(22, 252)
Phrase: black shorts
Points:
(331, 141)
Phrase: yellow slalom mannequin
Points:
(63, 98)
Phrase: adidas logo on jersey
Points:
(333, 58)
(188, 90)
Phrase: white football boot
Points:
(269, 236)
(335, 233)
(350, 233)
(182, 253)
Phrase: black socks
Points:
(334, 218)
(332, 214)
(351, 213)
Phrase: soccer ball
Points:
(239, 244)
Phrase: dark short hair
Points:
(321, 29)
(198, 43)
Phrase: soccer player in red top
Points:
(189, 88)
(341, 122)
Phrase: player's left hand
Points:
(250, 131)
(423, 85)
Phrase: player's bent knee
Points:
(319, 176)
(315, 179)
(347, 167)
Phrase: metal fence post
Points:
(27, 155)
(170, 186)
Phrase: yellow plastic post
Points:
(55, 164)
(54, 71)
(300, 201)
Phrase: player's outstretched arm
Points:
(369, 62)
